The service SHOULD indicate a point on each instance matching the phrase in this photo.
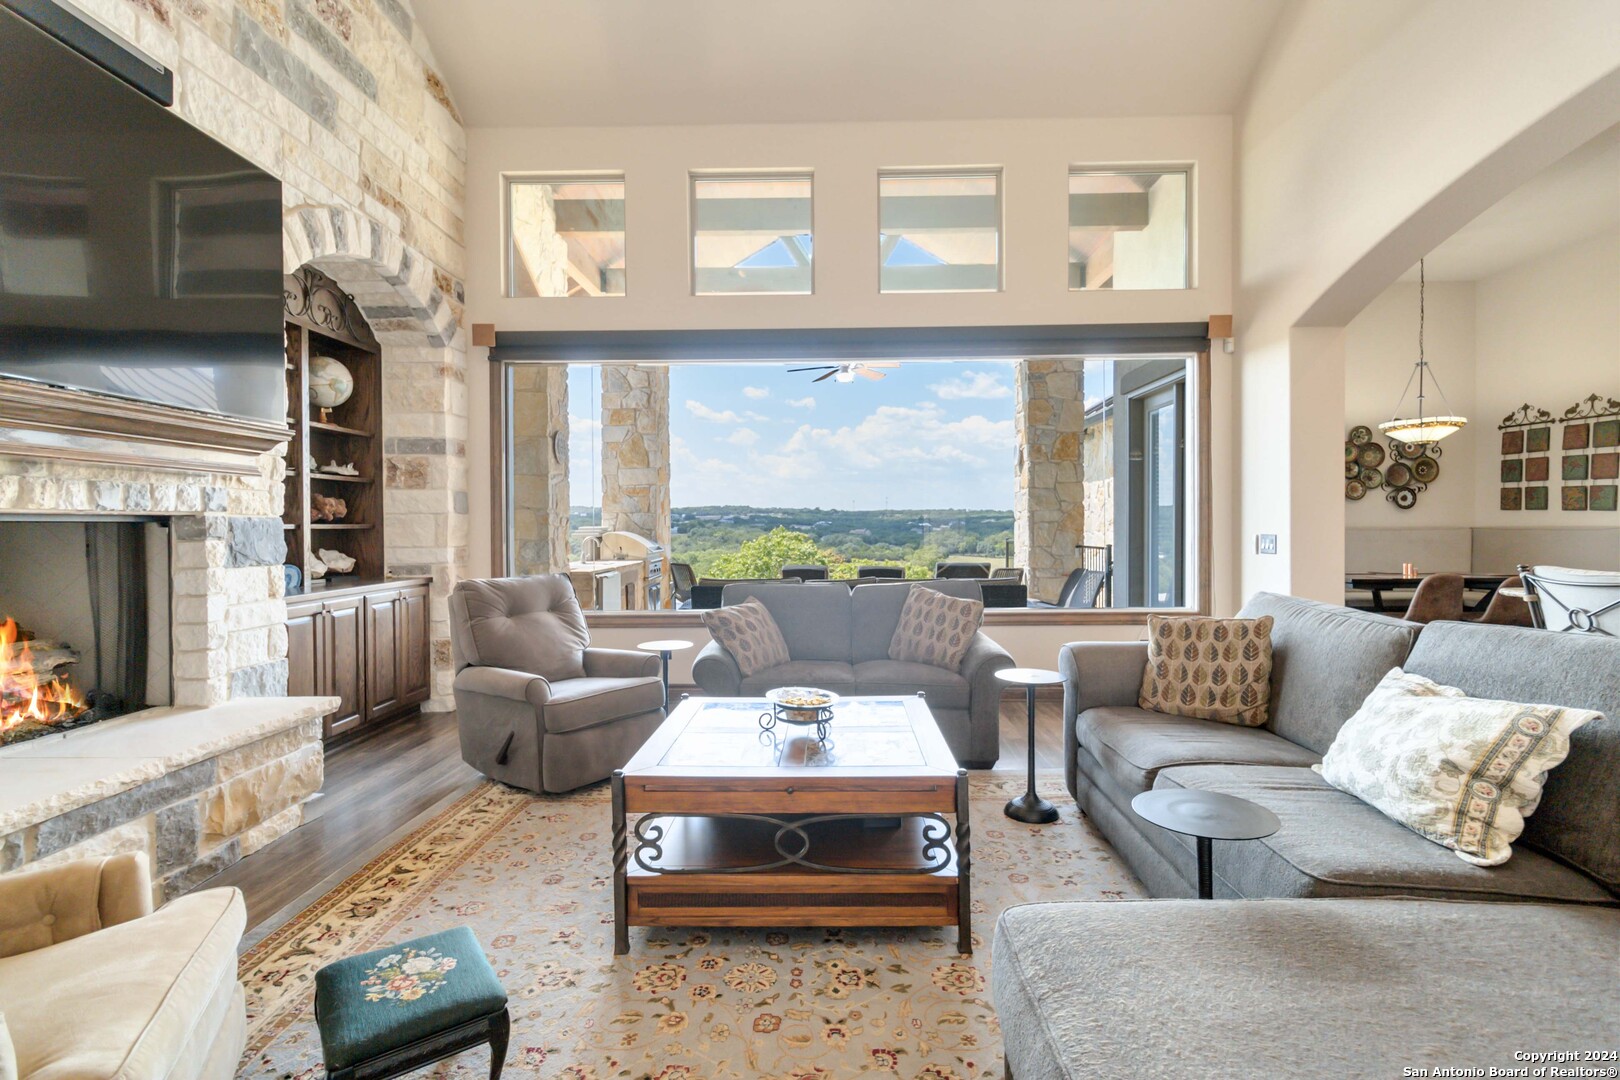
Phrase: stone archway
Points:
(415, 311)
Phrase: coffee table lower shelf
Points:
(750, 871)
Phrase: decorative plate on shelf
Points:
(1372, 478)
(1351, 470)
(1354, 489)
(1361, 433)
(1350, 450)
(1398, 475)
(1371, 455)
(1404, 498)
(1425, 468)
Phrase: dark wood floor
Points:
(381, 784)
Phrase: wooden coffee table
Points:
(734, 825)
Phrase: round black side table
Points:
(665, 647)
(1029, 807)
(1205, 816)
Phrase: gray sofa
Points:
(536, 706)
(1360, 941)
(839, 640)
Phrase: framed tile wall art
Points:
(1526, 458)
(1590, 467)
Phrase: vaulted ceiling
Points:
(623, 62)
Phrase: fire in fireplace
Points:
(78, 640)
(37, 695)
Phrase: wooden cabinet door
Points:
(415, 666)
(345, 663)
(382, 655)
(304, 674)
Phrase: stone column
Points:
(635, 450)
(1049, 512)
(539, 468)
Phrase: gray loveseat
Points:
(838, 639)
(1365, 943)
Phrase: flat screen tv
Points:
(138, 256)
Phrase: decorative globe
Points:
(330, 383)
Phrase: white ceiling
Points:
(517, 63)
(1573, 200)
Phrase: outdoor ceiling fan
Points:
(845, 373)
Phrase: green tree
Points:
(764, 556)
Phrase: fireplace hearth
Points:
(76, 624)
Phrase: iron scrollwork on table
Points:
(650, 833)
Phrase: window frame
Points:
(693, 177)
(796, 346)
(508, 249)
(945, 173)
(1187, 169)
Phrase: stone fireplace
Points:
(141, 551)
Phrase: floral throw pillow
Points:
(1211, 669)
(749, 634)
(1464, 772)
(935, 629)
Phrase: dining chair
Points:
(1503, 610)
(1438, 596)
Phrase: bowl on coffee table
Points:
(803, 706)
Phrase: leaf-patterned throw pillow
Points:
(1212, 669)
(749, 634)
(935, 629)
(1464, 772)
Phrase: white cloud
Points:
(802, 403)
(743, 437)
(756, 392)
(977, 385)
(703, 412)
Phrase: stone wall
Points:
(1049, 509)
(218, 785)
(340, 99)
(540, 490)
(635, 450)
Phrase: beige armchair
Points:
(538, 708)
(94, 983)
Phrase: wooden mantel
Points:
(38, 420)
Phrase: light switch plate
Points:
(1265, 544)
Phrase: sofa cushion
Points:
(1230, 990)
(1133, 744)
(935, 629)
(834, 675)
(814, 621)
(1325, 661)
(1580, 805)
(899, 678)
(1333, 844)
(1463, 771)
(581, 703)
(1212, 669)
(749, 633)
(526, 624)
(875, 612)
(138, 992)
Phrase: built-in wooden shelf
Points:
(338, 429)
(343, 525)
(339, 478)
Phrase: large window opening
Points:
(1060, 482)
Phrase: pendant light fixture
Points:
(1422, 428)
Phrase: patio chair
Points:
(805, 573)
(683, 577)
(961, 570)
(1579, 601)
(892, 573)
(1007, 573)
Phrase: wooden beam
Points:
(483, 334)
(761, 279)
(1220, 326)
(938, 213)
(1113, 210)
(961, 278)
(766, 216)
(589, 215)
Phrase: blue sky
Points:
(928, 435)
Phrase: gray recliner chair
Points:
(538, 707)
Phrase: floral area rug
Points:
(531, 877)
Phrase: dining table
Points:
(1379, 583)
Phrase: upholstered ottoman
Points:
(390, 1011)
